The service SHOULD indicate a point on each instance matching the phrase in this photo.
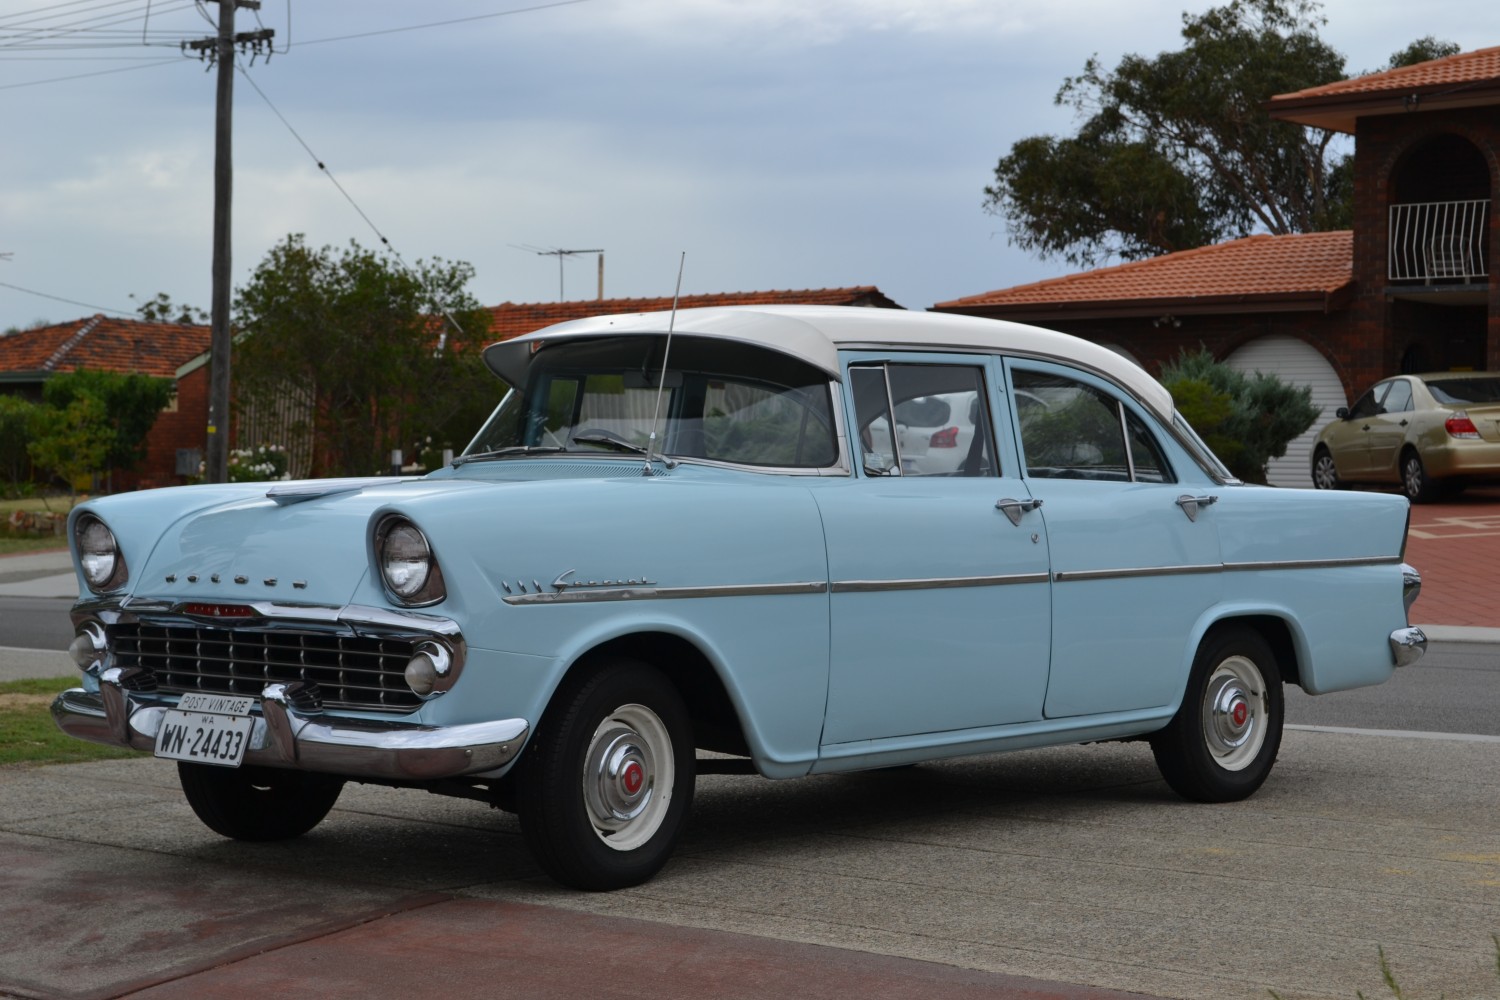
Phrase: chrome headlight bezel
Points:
(100, 560)
(405, 562)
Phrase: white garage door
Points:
(1298, 363)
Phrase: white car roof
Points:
(815, 334)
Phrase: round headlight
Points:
(99, 555)
(406, 563)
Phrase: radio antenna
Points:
(661, 382)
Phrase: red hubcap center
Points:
(1239, 713)
(633, 778)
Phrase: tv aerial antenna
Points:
(562, 255)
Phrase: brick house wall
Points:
(1387, 331)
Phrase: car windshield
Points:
(1465, 390)
(714, 400)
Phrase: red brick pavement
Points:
(1455, 545)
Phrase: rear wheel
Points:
(606, 787)
(258, 803)
(1415, 483)
(1325, 474)
(1221, 744)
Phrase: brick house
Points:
(102, 343)
(1408, 289)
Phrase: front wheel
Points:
(1220, 745)
(258, 803)
(605, 789)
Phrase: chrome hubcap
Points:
(627, 776)
(1234, 711)
(1413, 478)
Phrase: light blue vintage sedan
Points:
(697, 532)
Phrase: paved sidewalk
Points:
(1456, 547)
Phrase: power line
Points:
(442, 341)
(90, 25)
(80, 76)
(71, 302)
(440, 24)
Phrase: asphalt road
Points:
(35, 622)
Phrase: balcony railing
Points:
(1440, 241)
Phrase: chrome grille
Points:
(350, 671)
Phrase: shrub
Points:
(1247, 419)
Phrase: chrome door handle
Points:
(1191, 505)
(1015, 508)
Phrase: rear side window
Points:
(1072, 430)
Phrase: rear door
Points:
(1134, 549)
(940, 616)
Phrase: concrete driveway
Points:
(998, 876)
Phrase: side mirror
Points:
(1342, 413)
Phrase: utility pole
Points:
(221, 50)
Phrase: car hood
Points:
(303, 542)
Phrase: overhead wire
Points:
(71, 302)
(440, 24)
(442, 342)
(176, 61)
(90, 26)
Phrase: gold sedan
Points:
(1430, 434)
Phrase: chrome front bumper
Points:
(286, 737)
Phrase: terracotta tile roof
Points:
(1305, 270)
(104, 343)
(510, 319)
(1469, 79)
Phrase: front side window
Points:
(1072, 430)
(1398, 399)
(714, 400)
(922, 420)
(1368, 405)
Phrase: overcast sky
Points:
(780, 143)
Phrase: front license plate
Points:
(206, 729)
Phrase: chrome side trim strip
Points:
(592, 595)
(1314, 563)
(940, 583)
(1071, 575)
(1068, 576)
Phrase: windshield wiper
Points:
(609, 441)
(515, 449)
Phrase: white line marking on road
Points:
(1409, 733)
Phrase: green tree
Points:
(161, 309)
(1177, 151)
(16, 415)
(72, 440)
(354, 334)
(130, 403)
(1246, 419)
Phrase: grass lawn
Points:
(29, 736)
(12, 541)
